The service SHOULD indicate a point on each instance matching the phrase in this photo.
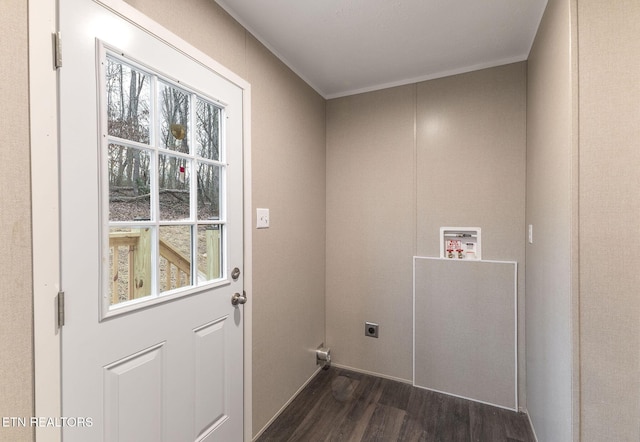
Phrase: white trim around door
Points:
(45, 213)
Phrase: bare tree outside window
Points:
(161, 137)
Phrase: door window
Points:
(163, 177)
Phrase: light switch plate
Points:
(530, 233)
(262, 218)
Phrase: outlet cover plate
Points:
(371, 329)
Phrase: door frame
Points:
(43, 114)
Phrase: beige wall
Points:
(371, 229)
(288, 160)
(389, 190)
(288, 126)
(550, 190)
(475, 123)
(16, 327)
(609, 46)
(471, 159)
(588, 91)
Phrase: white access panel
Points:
(465, 329)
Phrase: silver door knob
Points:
(237, 298)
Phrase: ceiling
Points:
(343, 47)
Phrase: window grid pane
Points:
(174, 118)
(174, 183)
(175, 257)
(128, 101)
(130, 252)
(129, 183)
(210, 248)
(207, 130)
(208, 191)
(166, 231)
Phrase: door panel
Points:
(164, 364)
(211, 394)
(133, 397)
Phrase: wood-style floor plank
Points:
(487, 423)
(354, 425)
(423, 411)
(385, 424)
(452, 423)
(330, 407)
(303, 406)
(343, 406)
(395, 394)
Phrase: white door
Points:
(151, 231)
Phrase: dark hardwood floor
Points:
(340, 405)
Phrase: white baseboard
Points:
(380, 375)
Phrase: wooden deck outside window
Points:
(131, 263)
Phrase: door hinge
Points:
(60, 307)
(57, 49)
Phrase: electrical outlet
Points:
(371, 329)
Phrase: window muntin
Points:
(165, 217)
